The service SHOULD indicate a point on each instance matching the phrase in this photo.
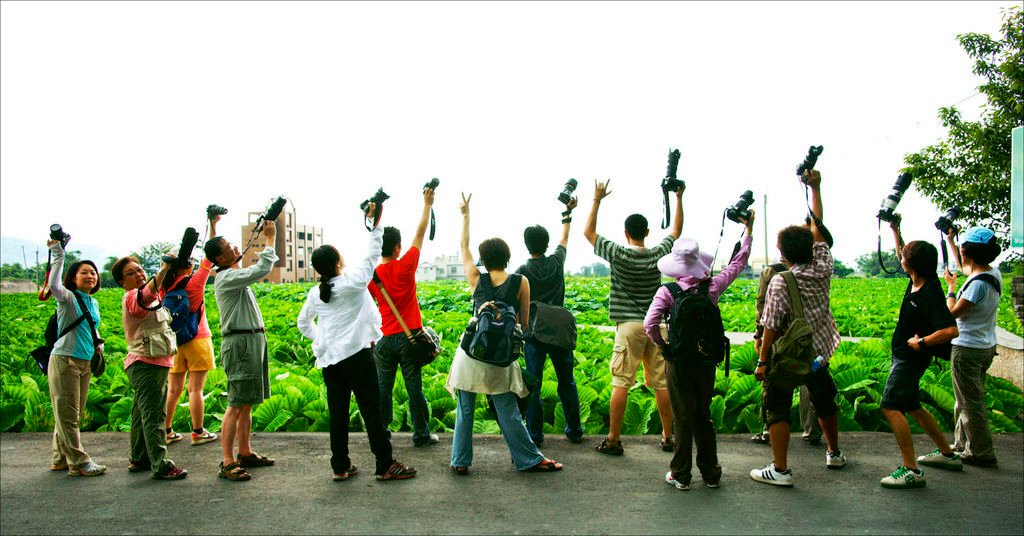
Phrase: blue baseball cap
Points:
(978, 235)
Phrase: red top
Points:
(399, 278)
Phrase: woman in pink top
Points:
(151, 348)
(195, 357)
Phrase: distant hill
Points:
(11, 251)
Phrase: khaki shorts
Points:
(246, 364)
(631, 347)
(195, 355)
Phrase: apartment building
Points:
(443, 267)
(295, 245)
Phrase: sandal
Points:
(667, 444)
(461, 471)
(138, 467)
(233, 472)
(605, 447)
(351, 471)
(254, 460)
(545, 466)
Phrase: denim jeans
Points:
(562, 361)
(390, 353)
(524, 453)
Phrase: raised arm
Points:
(566, 222)
(421, 229)
(362, 273)
(56, 281)
(235, 279)
(951, 240)
(468, 264)
(600, 192)
(898, 236)
(677, 220)
(813, 180)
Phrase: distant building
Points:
(295, 245)
(758, 263)
(443, 267)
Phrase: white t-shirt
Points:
(978, 326)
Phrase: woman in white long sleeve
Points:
(68, 372)
(343, 321)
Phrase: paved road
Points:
(595, 494)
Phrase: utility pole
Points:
(24, 262)
(764, 219)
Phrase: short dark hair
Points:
(636, 226)
(392, 238)
(536, 239)
(796, 243)
(922, 258)
(117, 270)
(69, 276)
(982, 253)
(212, 248)
(494, 253)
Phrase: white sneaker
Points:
(673, 482)
(835, 460)
(88, 468)
(770, 475)
(903, 478)
(936, 458)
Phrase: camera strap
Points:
(825, 233)
(668, 215)
(378, 210)
(433, 223)
(721, 234)
(881, 264)
(44, 292)
(945, 252)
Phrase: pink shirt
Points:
(196, 288)
(663, 299)
(132, 316)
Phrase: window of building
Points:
(302, 235)
(309, 250)
(302, 264)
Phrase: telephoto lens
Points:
(946, 221)
(888, 210)
(432, 184)
(275, 209)
(566, 195)
(740, 211)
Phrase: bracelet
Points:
(762, 363)
(566, 213)
(951, 295)
(566, 220)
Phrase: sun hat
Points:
(686, 259)
(978, 235)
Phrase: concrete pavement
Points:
(595, 494)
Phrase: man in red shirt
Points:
(398, 275)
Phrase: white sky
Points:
(122, 121)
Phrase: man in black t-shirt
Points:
(546, 274)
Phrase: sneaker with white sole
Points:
(835, 460)
(903, 478)
(770, 475)
(671, 481)
(89, 468)
(936, 458)
(203, 438)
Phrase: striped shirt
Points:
(635, 276)
(814, 281)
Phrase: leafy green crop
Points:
(865, 308)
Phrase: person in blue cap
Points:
(975, 308)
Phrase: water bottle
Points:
(817, 363)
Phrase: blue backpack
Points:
(184, 322)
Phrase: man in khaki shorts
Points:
(634, 280)
(195, 357)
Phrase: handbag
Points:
(98, 363)
(424, 343)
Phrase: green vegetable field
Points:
(862, 308)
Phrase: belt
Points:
(245, 331)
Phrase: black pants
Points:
(690, 389)
(356, 374)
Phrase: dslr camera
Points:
(431, 184)
(945, 221)
(566, 195)
(670, 182)
(184, 258)
(57, 233)
(740, 211)
(212, 211)
(809, 161)
(378, 199)
(887, 212)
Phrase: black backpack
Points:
(491, 336)
(696, 335)
(50, 337)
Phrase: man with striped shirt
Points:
(634, 280)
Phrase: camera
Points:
(275, 209)
(431, 184)
(566, 195)
(57, 233)
(212, 211)
(739, 211)
(945, 221)
(887, 212)
(378, 199)
(184, 258)
(810, 160)
(670, 182)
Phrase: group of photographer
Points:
(364, 323)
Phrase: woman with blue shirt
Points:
(975, 308)
(68, 373)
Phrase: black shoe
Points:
(575, 438)
(978, 462)
(432, 440)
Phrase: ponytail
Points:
(325, 289)
(325, 261)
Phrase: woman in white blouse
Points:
(341, 318)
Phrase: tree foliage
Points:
(149, 256)
(868, 264)
(971, 167)
(841, 270)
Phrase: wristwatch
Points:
(921, 342)
(951, 295)
(762, 363)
